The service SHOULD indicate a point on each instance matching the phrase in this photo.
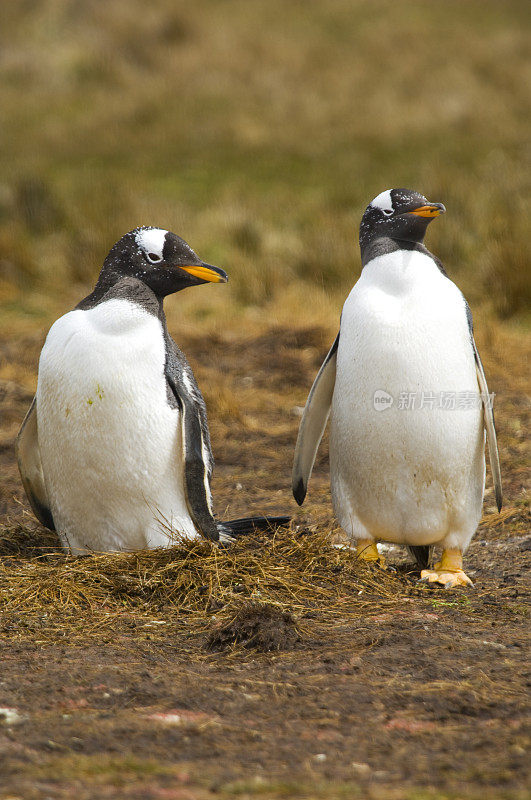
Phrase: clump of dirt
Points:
(260, 626)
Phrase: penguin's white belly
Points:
(110, 444)
(406, 474)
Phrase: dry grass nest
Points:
(292, 571)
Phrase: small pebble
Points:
(361, 769)
(10, 716)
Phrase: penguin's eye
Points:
(387, 211)
(153, 257)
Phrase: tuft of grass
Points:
(100, 769)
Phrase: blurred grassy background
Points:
(259, 131)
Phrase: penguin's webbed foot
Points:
(367, 550)
(448, 571)
(448, 579)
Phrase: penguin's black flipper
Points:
(421, 554)
(198, 461)
(313, 423)
(488, 416)
(30, 468)
(235, 528)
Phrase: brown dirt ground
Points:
(418, 693)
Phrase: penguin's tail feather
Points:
(234, 528)
(421, 553)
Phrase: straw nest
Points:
(296, 572)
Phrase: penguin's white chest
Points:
(409, 469)
(110, 443)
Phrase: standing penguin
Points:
(407, 436)
(114, 452)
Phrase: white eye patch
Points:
(384, 202)
(151, 240)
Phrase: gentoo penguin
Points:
(114, 452)
(408, 399)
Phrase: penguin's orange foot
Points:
(367, 551)
(448, 579)
(448, 571)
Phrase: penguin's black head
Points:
(399, 214)
(161, 260)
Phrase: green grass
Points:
(453, 602)
(259, 132)
(115, 770)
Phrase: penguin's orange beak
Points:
(206, 272)
(431, 210)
